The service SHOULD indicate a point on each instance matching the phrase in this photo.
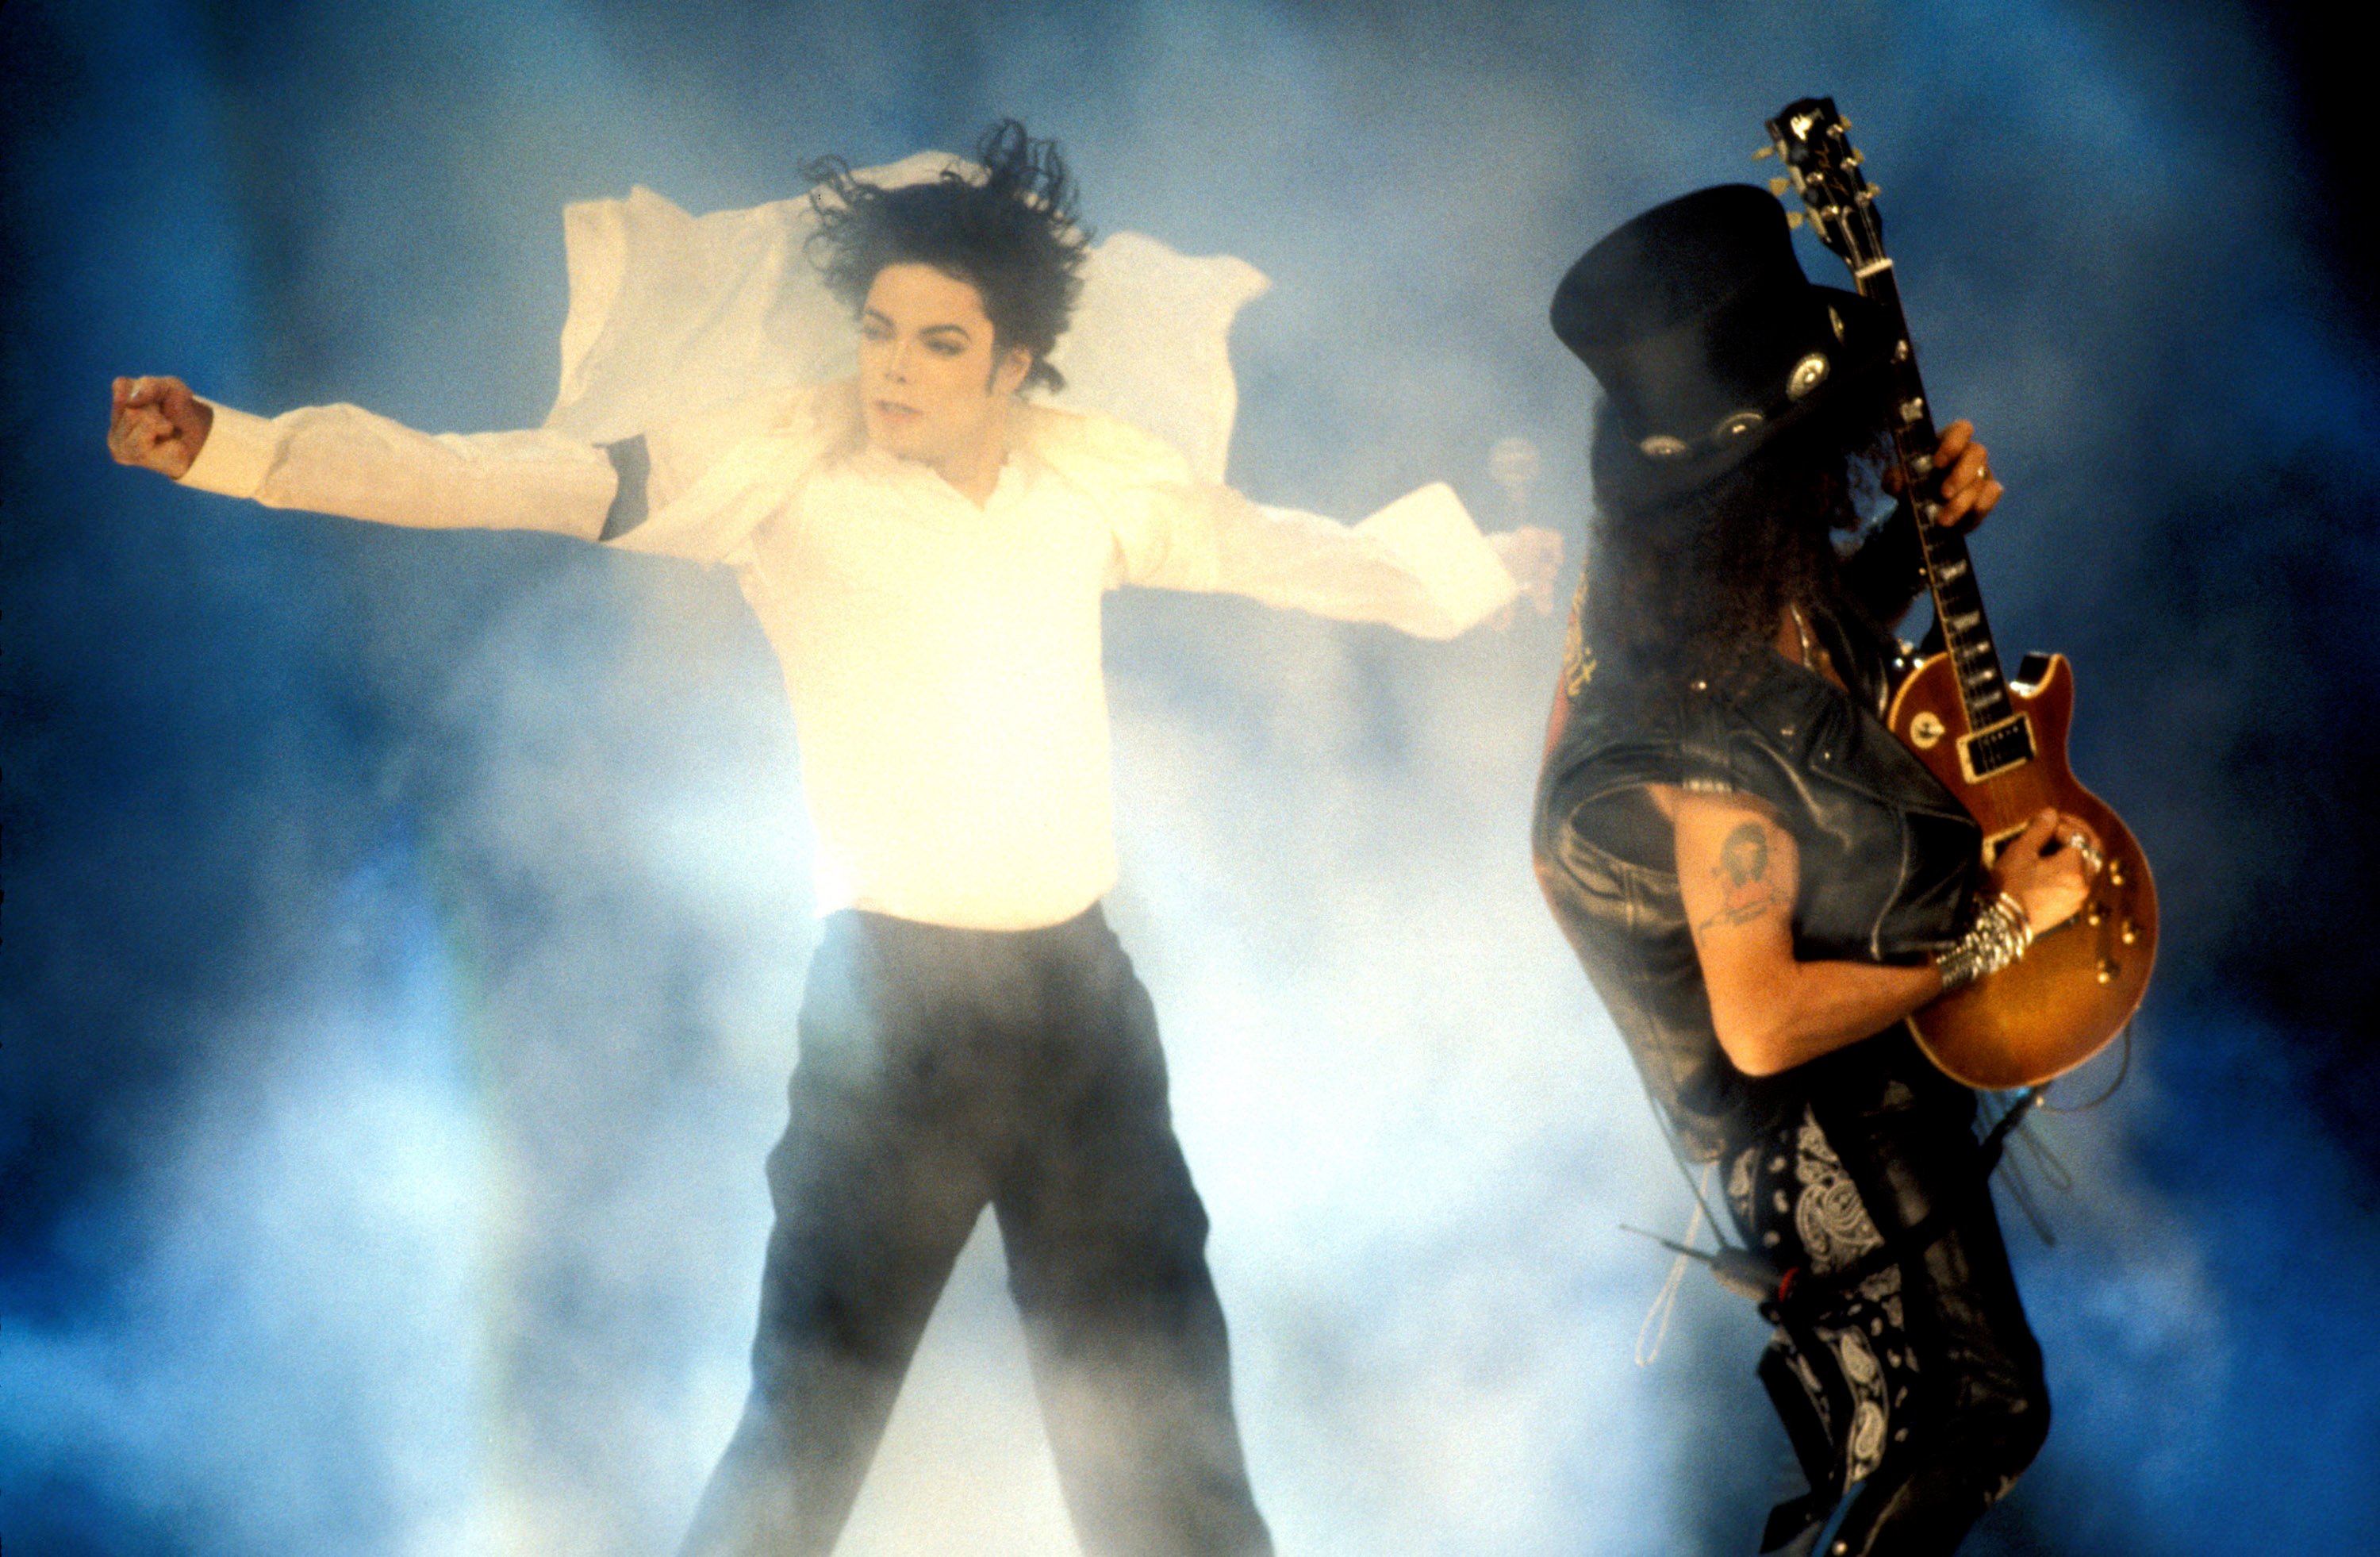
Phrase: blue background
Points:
(402, 933)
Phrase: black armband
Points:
(634, 465)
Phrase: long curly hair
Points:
(1692, 589)
(1011, 234)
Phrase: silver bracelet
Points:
(1999, 936)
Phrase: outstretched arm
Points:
(1419, 564)
(340, 459)
(158, 424)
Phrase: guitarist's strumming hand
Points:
(1969, 490)
(2047, 868)
(158, 424)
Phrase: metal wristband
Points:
(2001, 934)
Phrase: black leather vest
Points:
(1889, 860)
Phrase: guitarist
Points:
(1762, 882)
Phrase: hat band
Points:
(1717, 378)
(1812, 370)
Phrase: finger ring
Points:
(1983, 474)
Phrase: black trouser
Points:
(1903, 1135)
(943, 1069)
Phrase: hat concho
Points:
(1808, 374)
(1696, 315)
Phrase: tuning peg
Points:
(1779, 186)
(1792, 218)
(1856, 158)
(1762, 154)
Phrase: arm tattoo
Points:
(1743, 877)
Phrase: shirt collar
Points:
(879, 465)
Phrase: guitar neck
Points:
(1949, 574)
(2072, 992)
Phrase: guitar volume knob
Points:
(2107, 970)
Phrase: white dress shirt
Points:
(942, 659)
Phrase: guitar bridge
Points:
(1996, 748)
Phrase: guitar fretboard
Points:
(1949, 574)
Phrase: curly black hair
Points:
(1691, 590)
(1009, 233)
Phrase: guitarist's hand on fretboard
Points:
(1969, 490)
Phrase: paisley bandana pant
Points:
(1921, 1380)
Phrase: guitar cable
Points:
(2123, 1069)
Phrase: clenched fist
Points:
(158, 424)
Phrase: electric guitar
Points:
(1998, 744)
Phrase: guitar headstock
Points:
(1821, 164)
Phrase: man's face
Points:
(932, 387)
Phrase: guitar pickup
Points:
(1996, 748)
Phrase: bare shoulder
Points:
(1737, 865)
(1705, 812)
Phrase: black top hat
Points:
(1708, 340)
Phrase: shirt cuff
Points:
(1430, 532)
(236, 456)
